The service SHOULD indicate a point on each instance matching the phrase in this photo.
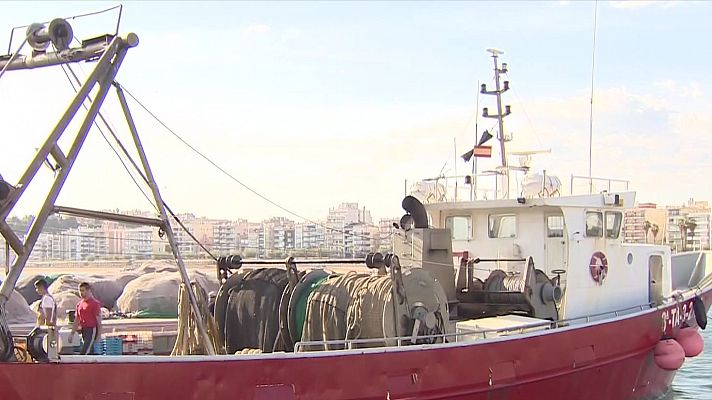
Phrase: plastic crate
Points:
(132, 342)
(113, 346)
(98, 347)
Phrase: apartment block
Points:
(225, 237)
(646, 223)
(689, 226)
(309, 235)
(360, 239)
(337, 220)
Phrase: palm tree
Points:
(691, 225)
(682, 224)
(646, 227)
(655, 229)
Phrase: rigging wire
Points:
(138, 170)
(12, 57)
(116, 138)
(120, 7)
(520, 103)
(145, 179)
(233, 178)
(128, 171)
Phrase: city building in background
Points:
(646, 223)
(347, 231)
(689, 226)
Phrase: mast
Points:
(500, 115)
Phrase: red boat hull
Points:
(610, 360)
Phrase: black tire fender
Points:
(700, 313)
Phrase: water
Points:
(693, 381)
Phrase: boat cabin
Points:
(575, 241)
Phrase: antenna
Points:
(473, 186)
(590, 120)
(500, 115)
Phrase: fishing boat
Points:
(526, 294)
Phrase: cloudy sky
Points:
(313, 104)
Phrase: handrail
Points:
(594, 178)
(348, 343)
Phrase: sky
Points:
(312, 104)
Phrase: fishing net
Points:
(65, 301)
(17, 311)
(251, 316)
(155, 295)
(105, 288)
(26, 287)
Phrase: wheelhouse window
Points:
(594, 224)
(460, 227)
(502, 226)
(613, 224)
(555, 226)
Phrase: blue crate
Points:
(113, 346)
(99, 347)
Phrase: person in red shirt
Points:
(87, 319)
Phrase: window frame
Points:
(548, 226)
(601, 221)
(470, 231)
(620, 224)
(502, 216)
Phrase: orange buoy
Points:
(669, 355)
(691, 341)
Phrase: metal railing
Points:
(486, 186)
(451, 188)
(348, 344)
(591, 182)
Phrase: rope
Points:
(133, 163)
(349, 306)
(233, 178)
(367, 312)
(113, 134)
(189, 340)
(12, 58)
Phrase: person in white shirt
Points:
(48, 307)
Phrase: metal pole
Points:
(500, 122)
(590, 127)
(500, 118)
(167, 225)
(454, 142)
(7, 258)
(473, 186)
(474, 176)
(108, 73)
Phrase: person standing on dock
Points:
(48, 307)
(87, 321)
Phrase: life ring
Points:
(700, 312)
(599, 267)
